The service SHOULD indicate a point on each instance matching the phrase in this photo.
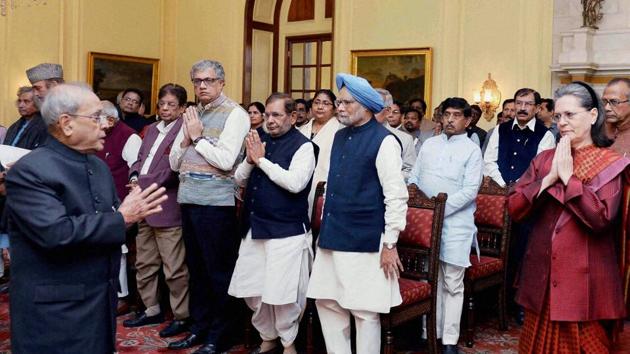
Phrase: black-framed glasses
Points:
(208, 81)
(96, 117)
(613, 102)
(519, 103)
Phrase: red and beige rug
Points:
(488, 339)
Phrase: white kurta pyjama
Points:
(355, 279)
(272, 274)
(271, 267)
(453, 166)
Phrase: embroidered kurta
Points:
(571, 249)
(453, 166)
(355, 279)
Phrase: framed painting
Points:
(109, 74)
(405, 73)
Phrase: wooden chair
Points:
(419, 252)
(316, 223)
(493, 234)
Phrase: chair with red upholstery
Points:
(493, 234)
(316, 223)
(419, 251)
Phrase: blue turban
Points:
(362, 91)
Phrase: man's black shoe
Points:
(143, 320)
(174, 328)
(275, 350)
(207, 349)
(187, 342)
(450, 349)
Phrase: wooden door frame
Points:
(250, 26)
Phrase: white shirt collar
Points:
(531, 124)
(165, 129)
(457, 137)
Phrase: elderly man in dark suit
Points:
(66, 245)
(159, 241)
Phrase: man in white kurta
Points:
(406, 141)
(271, 272)
(451, 163)
(356, 267)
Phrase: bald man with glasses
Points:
(616, 100)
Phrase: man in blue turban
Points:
(357, 266)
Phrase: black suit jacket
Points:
(33, 136)
(65, 252)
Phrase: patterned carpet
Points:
(146, 339)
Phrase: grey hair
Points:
(618, 80)
(110, 110)
(24, 89)
(64, 98)
(588, 100)
(208, 64)
(388, 100)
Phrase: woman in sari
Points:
(321, 130)
(570, 284)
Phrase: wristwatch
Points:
(389, 245)
(197, 140)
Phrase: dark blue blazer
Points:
(65, 252)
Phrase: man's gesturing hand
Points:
(141, 203)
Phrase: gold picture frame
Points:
(406, 73)
(108, 74)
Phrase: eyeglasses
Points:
(274, 115)
(170, 105)
(343, 102)
(568, 116)
(613, 102)
(518, 103)
(322, 103)
(132, 100)
(395, 111)
(208, 81)
(97, 118)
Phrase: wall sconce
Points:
(488, 98)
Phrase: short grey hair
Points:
(64, 98)
(110, 110)
(588, 100)
(388, 100)
(208, 64)
(618, 80)
(24, 89)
